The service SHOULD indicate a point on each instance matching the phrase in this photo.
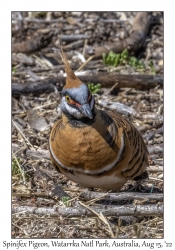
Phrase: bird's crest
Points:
(72, 81)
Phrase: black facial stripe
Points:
(90, 98)
(74, 106)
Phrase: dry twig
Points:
(106, 80)
(133, 42)
(100, 216)
(88, 195)
(23, 135)
(34, 44)
(127, 210)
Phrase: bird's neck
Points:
(74, 122)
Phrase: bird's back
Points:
(134, 158)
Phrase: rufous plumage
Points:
(90, 146)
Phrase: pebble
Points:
(157, 135)
(160, 63)
(150, 142)
(159, 140)
(160, 176)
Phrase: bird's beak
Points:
(86, 110)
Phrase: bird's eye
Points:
(72, 102)
(68, 98)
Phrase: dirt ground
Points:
(35, 182)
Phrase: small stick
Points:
(100, 216)
(45, 105)
(89, 196)
(111, 88)
(154, 169)
(96, 199)
(84, 49)
(20, 229)
(23, 135)
(82, 66)
(108, 210)
(21, 149)
(156, 179)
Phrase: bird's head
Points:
(77, 101)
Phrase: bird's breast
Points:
(90, 149)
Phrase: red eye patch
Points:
(74, 103)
